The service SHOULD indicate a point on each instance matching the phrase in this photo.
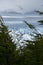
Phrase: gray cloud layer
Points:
(21, 5)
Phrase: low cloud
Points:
(21, 5)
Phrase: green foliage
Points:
(7, 47)
(41, 13)
(41, 22)
(30, 25)
(31, 54)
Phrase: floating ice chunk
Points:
(27, 37)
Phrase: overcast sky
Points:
(21, 5)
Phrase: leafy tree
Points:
(7, 47)
(32, 53)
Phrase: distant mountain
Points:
(10, 13)
(31, 13)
